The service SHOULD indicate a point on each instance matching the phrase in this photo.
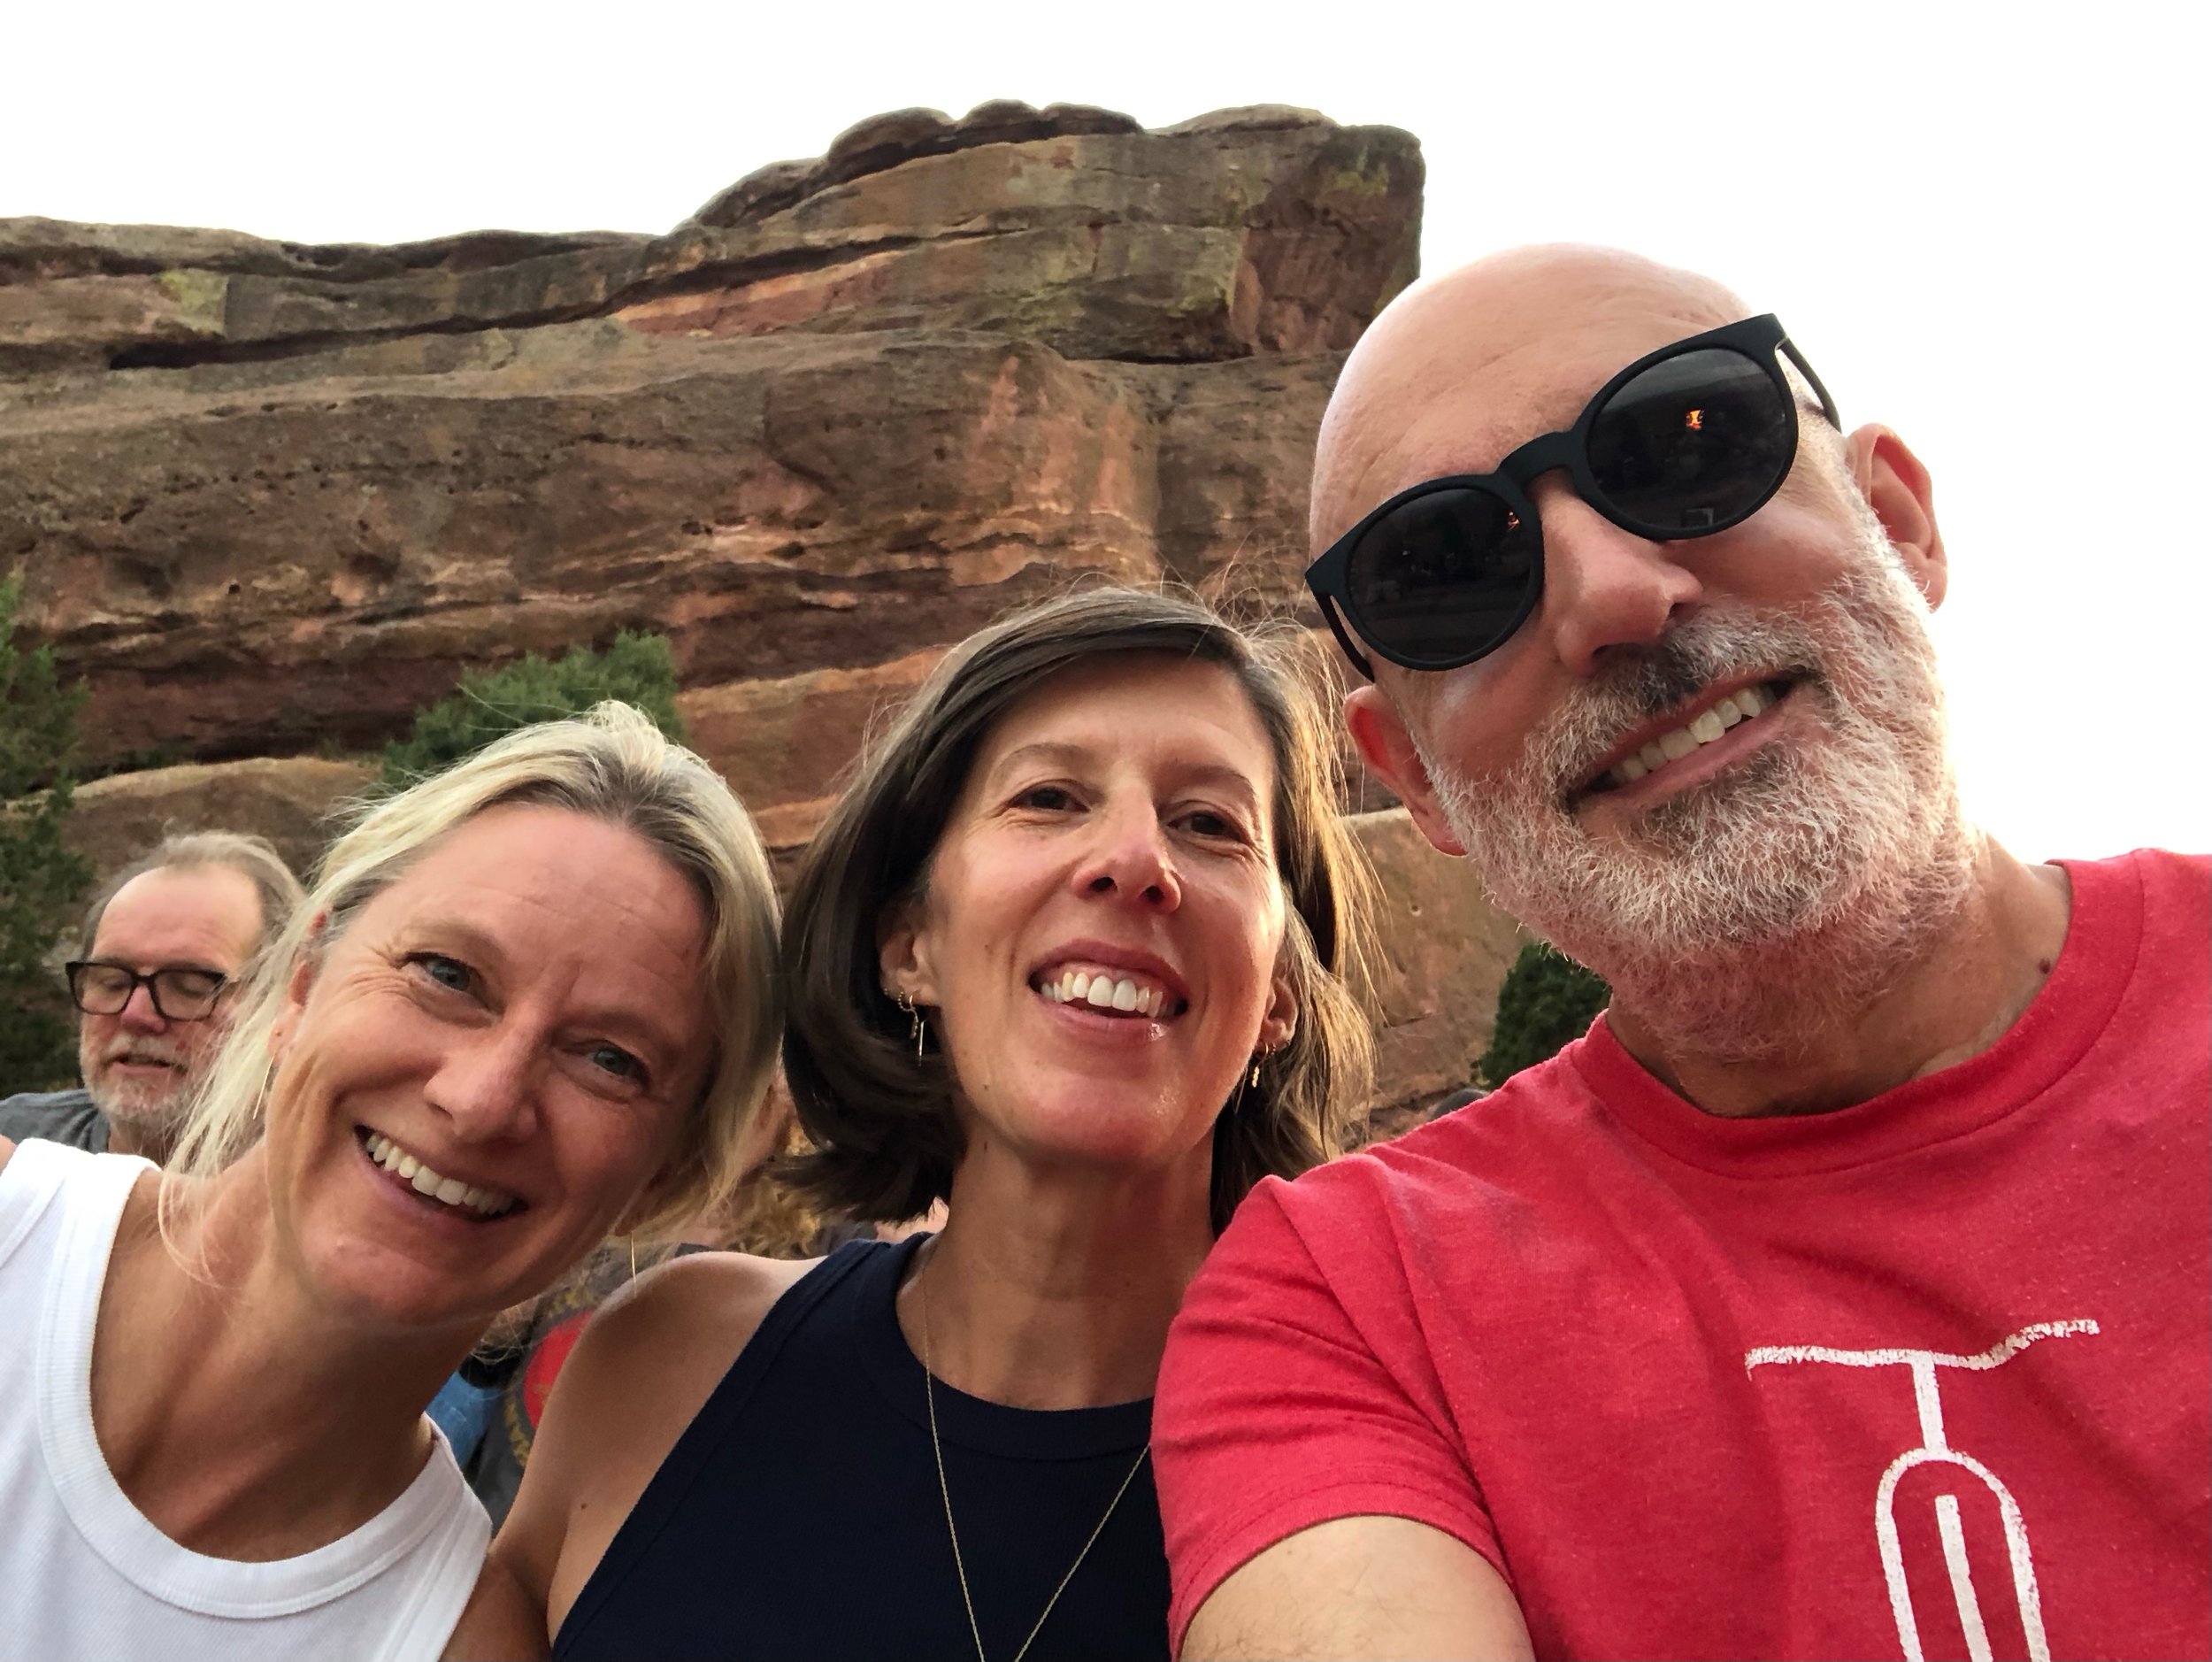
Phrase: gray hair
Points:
(252, 857)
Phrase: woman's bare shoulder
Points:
(645, 1365)
(655, 1352)
(719, 1292)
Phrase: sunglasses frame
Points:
(1762, 340)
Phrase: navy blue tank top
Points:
(799, 1514)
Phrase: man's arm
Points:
(1361, 1587)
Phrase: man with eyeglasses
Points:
(1847, 1289)
(164, 944)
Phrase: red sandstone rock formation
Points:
(269, 499)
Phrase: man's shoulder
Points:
(1500, 1142)
(2166, 872)
(2143, 917)
(56, 1116)
(2163, 875)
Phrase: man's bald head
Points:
(1460, 369)
(1828, 826)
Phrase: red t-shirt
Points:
(1930, 1375)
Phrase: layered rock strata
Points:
(268, 499)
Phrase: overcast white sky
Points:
(1981, 222)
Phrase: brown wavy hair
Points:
(884, 1138)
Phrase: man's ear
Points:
(903, 948)
(1897, 487)
(1379, 731)
(307, 964)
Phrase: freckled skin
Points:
(523, 1010)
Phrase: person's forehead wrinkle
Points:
(481, 908)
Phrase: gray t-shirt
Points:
(58, 1116)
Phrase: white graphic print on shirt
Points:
(1935, 1450)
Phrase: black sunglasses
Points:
(1685, 442)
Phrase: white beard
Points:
(154, 1109)
(1744, 916)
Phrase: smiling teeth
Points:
(1101, 990)
(489, 1203)
(1702, 728)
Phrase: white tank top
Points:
(84, 1574)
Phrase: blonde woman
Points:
(528, 1004)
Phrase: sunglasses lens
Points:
(1444, 578)
(1693, 443)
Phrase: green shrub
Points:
(638, 669)
(41, 878)
(1547, 1001)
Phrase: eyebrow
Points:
(635, 1027)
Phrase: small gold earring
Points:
(1255, 1072)
(917, 1029)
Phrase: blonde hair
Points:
(614, 765)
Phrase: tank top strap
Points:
(28, 1184)
(98, 1187)
(92, 1190)
(848, 1268)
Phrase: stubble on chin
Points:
(1746, 914)
(153, 1109)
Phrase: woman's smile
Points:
(1097, 947)
(1117, 986)
(401, 1170)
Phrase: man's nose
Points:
(138, 1013)
(487, 1083)
(1131, 861)
(1604, 587)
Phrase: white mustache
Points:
(143, 1050)
(1643, 683)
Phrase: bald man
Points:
(1844, 1290)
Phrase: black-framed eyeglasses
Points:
(1685, 442)
(180, 994)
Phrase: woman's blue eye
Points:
(615, 1060)
(447, 972)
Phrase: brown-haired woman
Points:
(1070, 953)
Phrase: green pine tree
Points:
(638, 669)
(41, 878)
(1547, 1001)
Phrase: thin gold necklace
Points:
(960, 1568)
